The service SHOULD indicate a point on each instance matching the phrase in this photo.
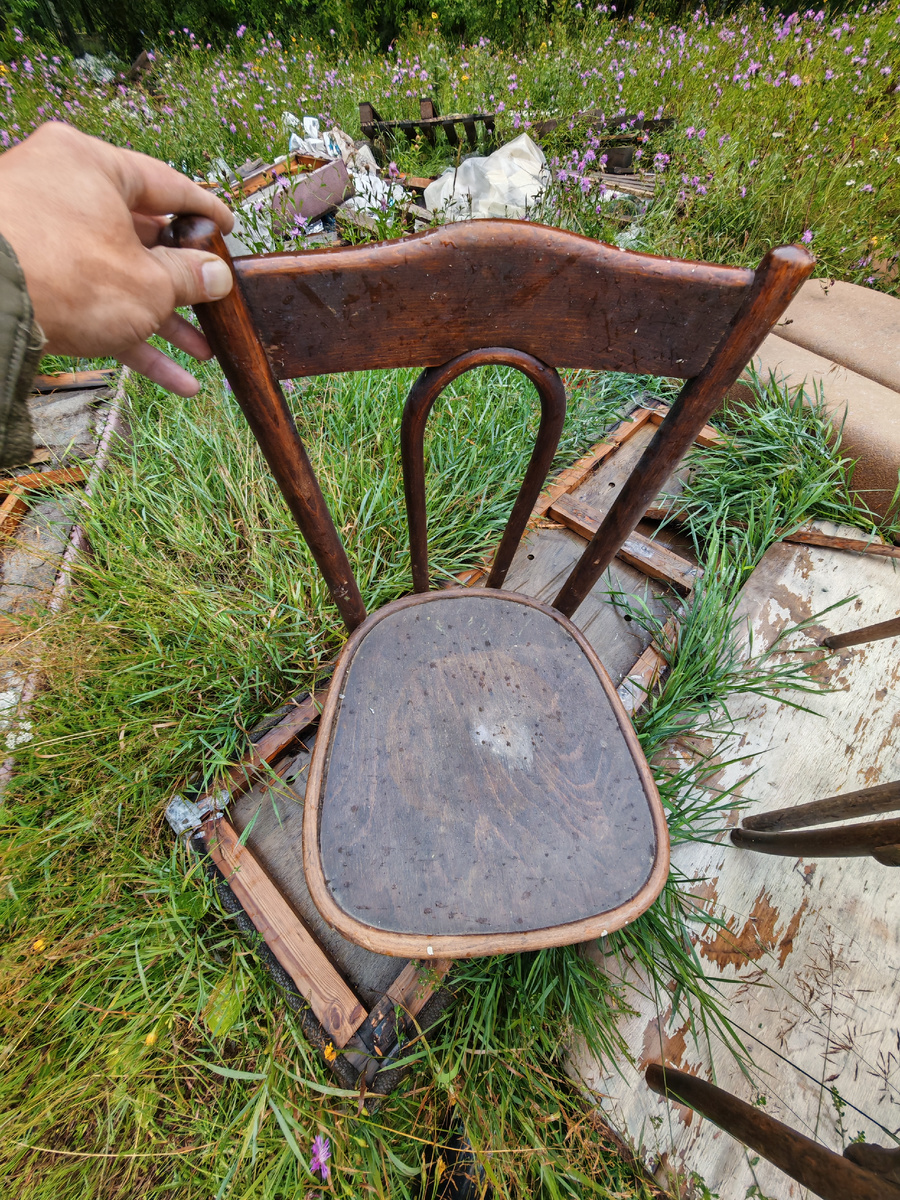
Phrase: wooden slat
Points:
(811, 537)
(635, 688)
(12, 510)
(239, 777)
(67, 381)
(800, 537)
(43, 479)
(572, 477)
(334, 1004)
(706, 437)
(649, 557)
(414, 986)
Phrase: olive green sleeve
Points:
(21, 344)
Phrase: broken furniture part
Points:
(374, 126)
(265, 176)
(788, 831)
(830, 1176)
(68, 381)
(705, 322)
(360, 1023)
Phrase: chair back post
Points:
(232, 335)
(419, 404)
(829, 1175)
(779, 275)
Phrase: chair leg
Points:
(828, 1175)
(847, 841)
(865, 803)
(869, 633)
(878, 1159)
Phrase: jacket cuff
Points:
(21, 345)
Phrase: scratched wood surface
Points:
(810, 953)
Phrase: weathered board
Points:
(810, 952)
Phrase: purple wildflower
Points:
(795, 80)
(321, 1152)
(806, 236)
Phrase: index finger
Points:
(152, 187)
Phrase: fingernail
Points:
(216, 278)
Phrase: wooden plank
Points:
(43, 479)
(414, 986)
(806, 952)
(334, 1004)
(239, 777)
(572, 477)
(648, 556)
(812, 537)
(635, 688)
(12, 510)
(66, 381)
(706, 437)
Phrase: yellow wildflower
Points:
(39, 945)
(465, 78)
(330, 1052)
(150, 1039)
(434, 16)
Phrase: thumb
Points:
(196, 276)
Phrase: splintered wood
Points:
(808, 952)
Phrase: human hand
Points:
(84, 220)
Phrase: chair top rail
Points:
(423, 300)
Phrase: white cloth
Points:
(504, 184)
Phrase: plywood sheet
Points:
(810, 952)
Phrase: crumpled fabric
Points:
(504, 184)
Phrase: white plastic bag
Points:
(504, 184)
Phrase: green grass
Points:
(146, 1053)
(785, 129)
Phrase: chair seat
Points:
(476, 786)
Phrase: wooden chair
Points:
(863, 1173)
(476, 785)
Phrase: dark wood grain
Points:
(844, 842)
(419, 403)
(869, 633)
(476, 786)
(828, 1175)
(774, 284)
(884, 797)
(564, 299)
(229, 328)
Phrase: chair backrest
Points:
(471, 294)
